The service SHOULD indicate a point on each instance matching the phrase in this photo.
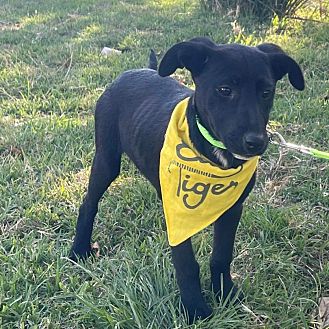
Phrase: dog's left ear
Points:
(282, 64)
(192, 55)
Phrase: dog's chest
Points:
(195, 192)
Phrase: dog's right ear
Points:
(283, 64)
(192, 55)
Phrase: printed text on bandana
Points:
(186, 187)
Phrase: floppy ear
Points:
(282, 64)
(192, 55)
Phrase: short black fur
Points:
(234, 91)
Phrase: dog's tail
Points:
(153, 62)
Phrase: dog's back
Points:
(134, 113)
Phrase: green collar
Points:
(206, 134)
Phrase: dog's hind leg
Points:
(105, 168)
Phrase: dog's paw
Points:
(77, 254)
(234, 295)
(229, 293)
(196, 311)
(82, 253)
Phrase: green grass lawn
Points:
(51, 76)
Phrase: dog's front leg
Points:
(224, 235)
(187, 274)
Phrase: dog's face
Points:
(235, 87)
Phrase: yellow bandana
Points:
(195, 191)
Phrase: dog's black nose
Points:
(254, 143)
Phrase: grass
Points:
(51, 76)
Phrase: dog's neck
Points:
(223, 158)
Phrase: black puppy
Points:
(234, 90)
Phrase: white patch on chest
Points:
(220, 157)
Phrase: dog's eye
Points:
(224, 91)
(267, 94)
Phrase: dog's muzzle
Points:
(254, 144)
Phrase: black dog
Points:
(234, 90)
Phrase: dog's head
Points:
(234, 88)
